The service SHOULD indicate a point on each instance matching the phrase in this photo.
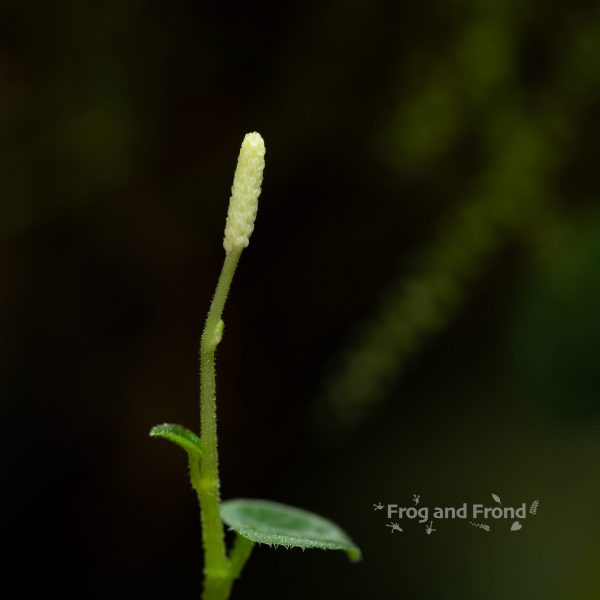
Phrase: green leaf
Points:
(277, 524)
(179, 435)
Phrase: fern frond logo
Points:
(503, 516)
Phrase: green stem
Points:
(205, 475)
(242, 548)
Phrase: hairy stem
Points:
(205, 475)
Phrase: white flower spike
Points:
(245, 191)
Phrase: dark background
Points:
(417, 311)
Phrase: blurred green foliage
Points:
(556, 327)
(521, 146)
